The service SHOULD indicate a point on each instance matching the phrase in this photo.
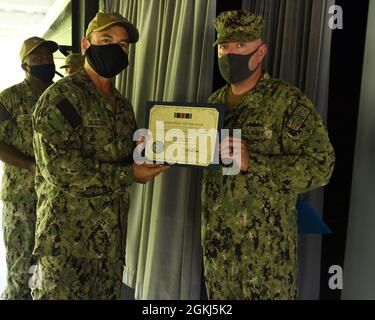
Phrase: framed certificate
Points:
(184, 134)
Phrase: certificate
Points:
(184, 134)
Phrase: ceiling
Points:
(24, 18)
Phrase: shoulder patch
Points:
(298, 117)
(68, 111)
(4, 113)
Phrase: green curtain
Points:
(173, 61)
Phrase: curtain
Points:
(299, 42)
(173, 61)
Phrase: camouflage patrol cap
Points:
(240, 25)
(30, 44)
(105, 20)
(74, 60)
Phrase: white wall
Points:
(359, 268)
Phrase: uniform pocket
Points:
(260, 140)
(25, 135)
(52, 278)
(99, 136)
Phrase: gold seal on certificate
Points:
(183, 134)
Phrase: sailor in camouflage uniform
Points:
(16, 151)
(84, 153)
(249, 220)
(73, 63)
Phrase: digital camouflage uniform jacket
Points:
(83, 153)
(16, 107)
(249, 228)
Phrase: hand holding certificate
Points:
(184, 134)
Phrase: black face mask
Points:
(108, 60)
(234, 68)
(44, 72)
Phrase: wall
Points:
(359, 267)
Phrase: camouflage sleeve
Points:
(5, 121)
(57, 148)
(307, 157)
